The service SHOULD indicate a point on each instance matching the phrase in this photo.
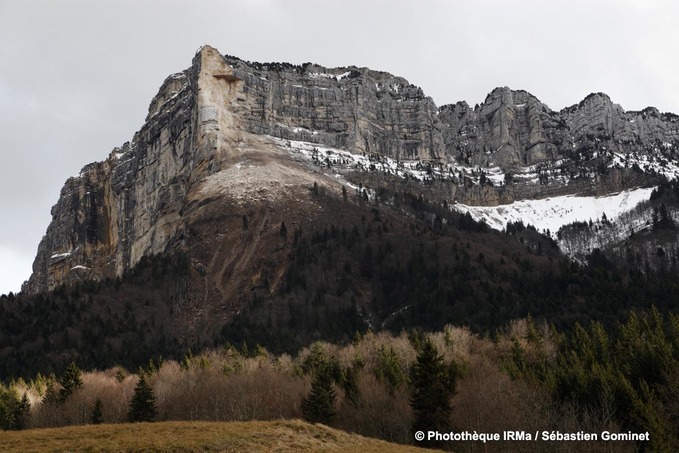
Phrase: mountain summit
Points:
(230, 150)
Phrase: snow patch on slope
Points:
(546, 215)
(550, 214)
(653, 162)
(328, 157)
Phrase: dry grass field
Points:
(281, 436)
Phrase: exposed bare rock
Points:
(208, 141)
(511, 129)
(352, 108)
(127, 206)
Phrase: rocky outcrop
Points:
(116, 211)
(594, 147)
(207, 135)
(513, 129)
(350, 108)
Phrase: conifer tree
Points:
(8, 400)
(97, 415)
(143, 404)
(319, 405)
(433, 384)
(388, 369)
(21, 413)
(70, 381)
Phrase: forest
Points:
(383, 324)
(530, 377)
(363, 270)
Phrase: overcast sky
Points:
(77, 76)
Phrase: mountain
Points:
(215, 130)
(281, 203)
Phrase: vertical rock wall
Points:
(132, 204)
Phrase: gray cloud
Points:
(76, 76)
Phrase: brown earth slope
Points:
(283, 436)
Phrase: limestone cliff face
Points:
(592, 148)
(350, 108)
(513, 129)
(129, 205)
(201, 123)
(208, 135)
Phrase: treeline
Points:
(425, 267)
(398, 261)
(531, 377)
(97, 324)
(436, 267)
(628, 374)
(645, 238)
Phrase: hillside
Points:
(529, 377)
(276, 204)
(227, 139)
(400, 264)
(167, 437)
(271, 206)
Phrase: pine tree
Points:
(319, 405)
(388, 369)
(19, 412)
(433, 384)
(22, 413)
(70, 381)
(97, 415)
(143, 404)
(8, 400)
